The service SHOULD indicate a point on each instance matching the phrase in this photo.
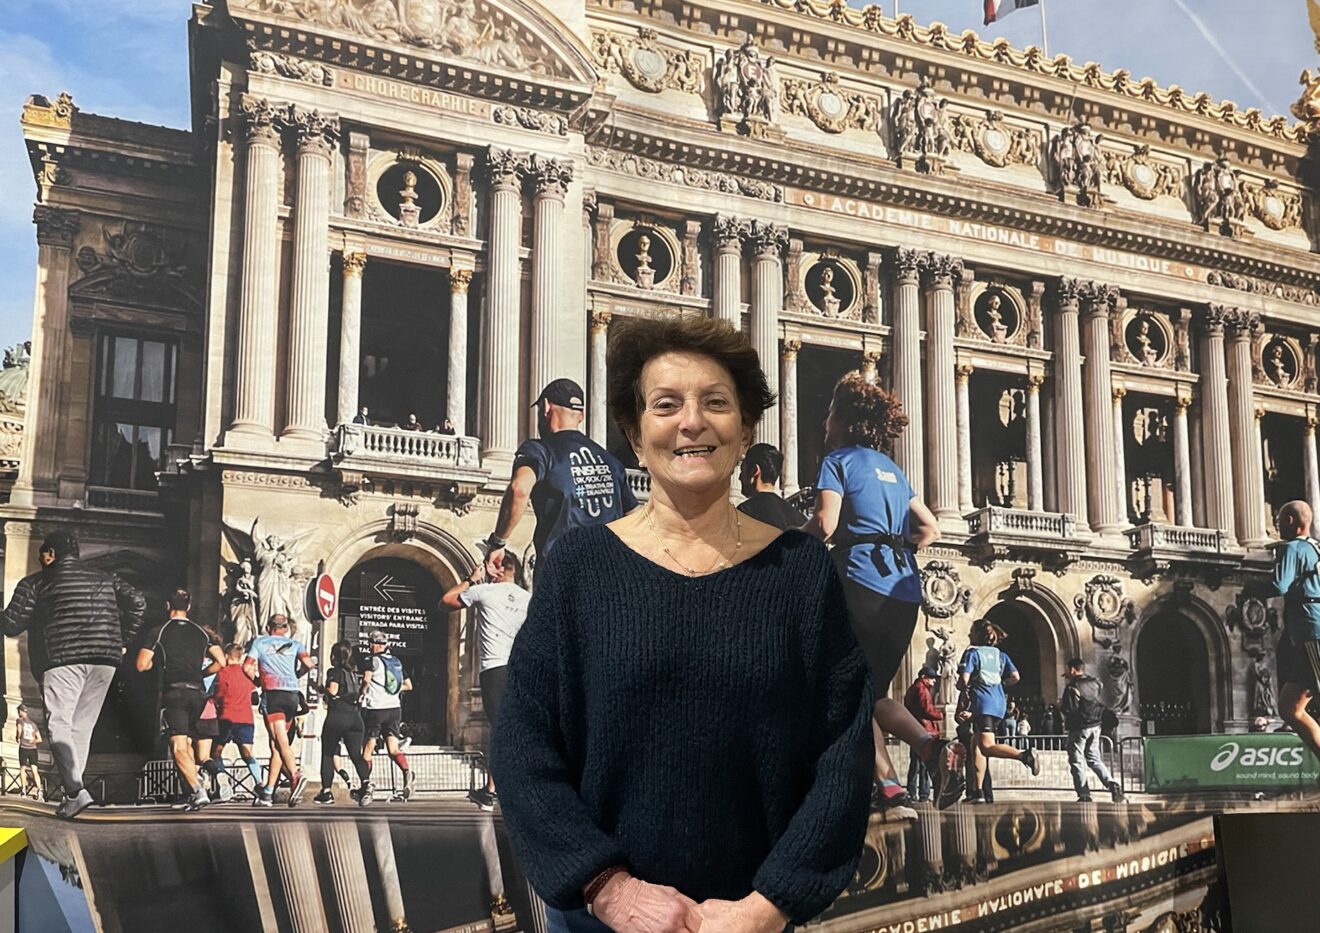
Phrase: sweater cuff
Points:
(801, 899)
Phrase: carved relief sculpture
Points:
(286, 66)
(1252, 616)
(746, 89)
(1103, 603)
(137, 261)
(646, 64)
(1142, 175)
(943, 594)
(923, 129)
(1221, 203)
(995, 142)
(1275, 208)
(1077, 163)
(829, 106)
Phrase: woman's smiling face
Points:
(691, 433)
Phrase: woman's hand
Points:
(753, 914)
(630, 905)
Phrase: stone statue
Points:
(280, 579)
(747, 88)
(829, 299)
(1118, 692)
(1262, 687)
(242, 600)
(946, 653)
(645, 272)
(1149, 355)
(1279, 366)
(1307, 107)
(998, 329)
(409, 212)
(922, 129)
(1077, 162)
(1220, 199)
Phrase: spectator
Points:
(920, 702)
(495, 592)
(1023, 727)
(1051, 721)
(760, 475)
(1009, 725)
(447, 427)
(1083, 712)
(363, 416)
(81, 619)
(187, 653)
(412, 424)
(233, 708)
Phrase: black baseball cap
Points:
(563, 392)
(929, 671)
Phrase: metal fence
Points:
(1051, 752)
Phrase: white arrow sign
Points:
(387, 589)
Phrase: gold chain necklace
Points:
(720, 562)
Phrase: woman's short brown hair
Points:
(865, 414)
(635, 341)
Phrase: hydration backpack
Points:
(992, 666)
(393, 670)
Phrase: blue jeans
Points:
(572, 921)
(1083, 752)
(918, 781)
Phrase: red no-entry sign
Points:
(325, 597)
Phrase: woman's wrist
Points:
(600, 886)
(768, 915)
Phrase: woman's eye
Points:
(718, 404)
(664, 406)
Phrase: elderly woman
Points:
(684, 736)
(866, 507)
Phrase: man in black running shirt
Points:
(762, 469)
(570, 480)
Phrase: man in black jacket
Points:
(84, 618)
(1083, 711)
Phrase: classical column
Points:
(597, 416)
(940, 274)
(500, 337)
(350, 336)
(1309, 463)
(1035, 483)
(460, 280)
(1216, 436)
(909, 450)
(1249, 484)
(309, 296)
(1182, 461)
(56, 229)
(1120, 456)
(1102, 482)
(964, 377)
(726, 303)
(1197, 448)
(767, 242)
(258, 311)
(347, 869)
(788, 410)
(297, 866)
(550, 179)
(1070, 446)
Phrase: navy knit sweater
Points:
(712, 734)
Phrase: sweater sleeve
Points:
(817, 855)
(559, 846)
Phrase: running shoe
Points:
(1029, 759)
(264, 798)
(947, 778)
(404, 743)
(226, 785)
(1116, 792)
(72, 806)
(199, 800)
(325, 798)
(397, 797)
(295, 792)
(409, 779)
(483, 800)
(365, 794)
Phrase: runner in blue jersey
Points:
(984, 673)
(273, 661)
(569, 479)
(868, 510)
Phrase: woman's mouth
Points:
(693, 453)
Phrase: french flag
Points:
(996, 10)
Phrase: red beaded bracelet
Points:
(598, 884)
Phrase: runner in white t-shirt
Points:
(501, 609)
(384, 682)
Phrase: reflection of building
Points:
(433, 208)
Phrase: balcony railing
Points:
(993, 520)
(639, 481)
(414, 454)
(123, 500)
(1152, 536)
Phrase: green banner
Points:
(1249, 761)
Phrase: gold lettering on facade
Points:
(413, 94)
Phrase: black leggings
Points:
(345, 726)
(883, 626)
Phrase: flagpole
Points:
(1044, 32)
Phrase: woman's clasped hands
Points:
(630, 905)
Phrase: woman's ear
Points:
(636, 448)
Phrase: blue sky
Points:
(128, 58)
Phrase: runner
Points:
(985, 672)
(28, 737)
(233, 707)
(501, 609)
(276, 661)
(343, 723)
(383, 684)
(187, 654)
